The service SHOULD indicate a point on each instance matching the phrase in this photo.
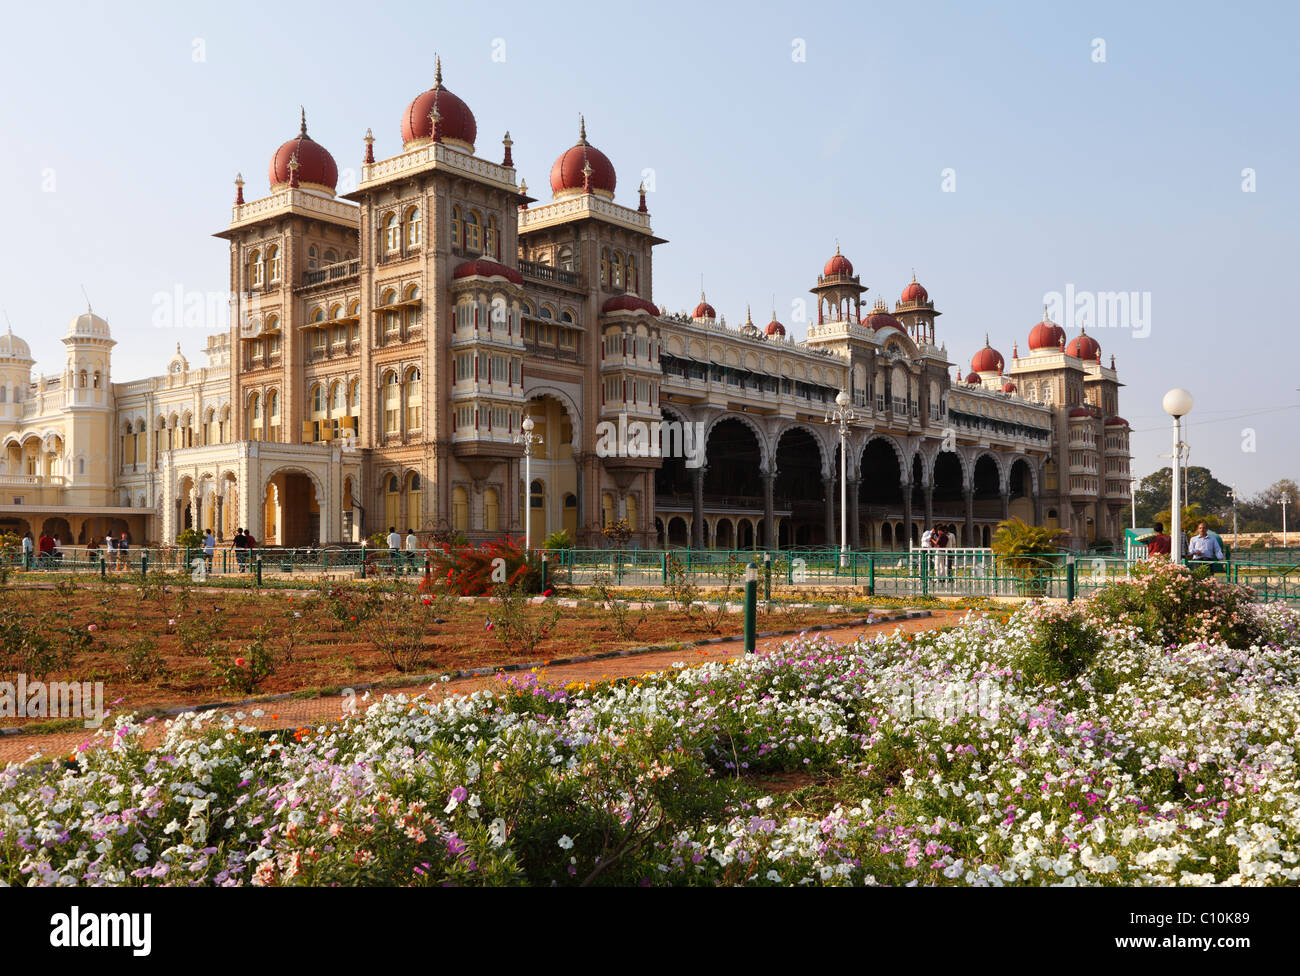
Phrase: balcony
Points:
(544, 272)
(331, 273)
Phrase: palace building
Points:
(386, 343)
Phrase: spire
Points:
(508, 162)
(437, 71)
(435, 118)
(302, 130)
(370, 146)
(582, 131)
(748, 318)
(293, 169)
(586, 176)
(1046, 317)
(641, 207)
(239, 189)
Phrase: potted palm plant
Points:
(1028, 552)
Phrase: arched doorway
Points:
(291, 514)
(880, 491)
(799, 488)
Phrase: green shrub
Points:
(1173, 604)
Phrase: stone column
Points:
(1038, 510)
(855, 527)
(697, 508)
(969, 496)
(769, 516)
(1006, 504)
(220, 533)
(832, 499)
(928, 491)
(907, 515)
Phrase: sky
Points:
(1002, 152)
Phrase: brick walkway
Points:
(294, 713)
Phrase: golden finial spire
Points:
(302, 131)
(582, 130)
(437, 71)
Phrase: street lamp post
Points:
(1234, 516)
(1177, 403)
(1284, 540)
(842, 415)
(1133, 499)
(528, 439)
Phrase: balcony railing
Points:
(331, 272)
(544, 272)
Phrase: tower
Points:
(88, 404)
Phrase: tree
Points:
(1191, 514)
(1204, 490)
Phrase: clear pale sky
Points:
(125, 124)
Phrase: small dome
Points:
(775, 328)
(629, 302)
(12, 347)
(703, 310)
(1078, 412)
(455, 121)
(1008, 387)
(879, 318)
(568, 172)
(316, 167)
(1117, 422)
(987, 360)
(88, 325)
(1083, 346)
(838, 265)
(484, 268)
(913, 292)
(973, 379)
(1046, 334)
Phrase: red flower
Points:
(239, 662)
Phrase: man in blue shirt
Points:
(1203, 546)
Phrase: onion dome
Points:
(1083, 346)
(316, 169)
(1046, 334)
(456, 123)
(583, 168)
(973, 379)
(88, 325)
(483, 268)
(1117, 422)
(913, 292)
(838, 264)
(704, 311)
(987, 360)
(1008, 387)
(629, 302)
(1080, 412)
(12, 347)
(879, 318)
(775, 328)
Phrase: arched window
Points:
(607, 509)
(331, 257)
(491, 510)
(311, 258)
(354, 398)
(456, 241)
(392, 403)
(604, 266)
(336, 398)
(413, 308)
(413, 227)
(618, 269)
(491, 244)
(413, 400)
(473, 232)
(392, 496)
(392, 318)
(273, 259)
(414, 501)
(392, 233)
(564, 261)
(459, 509)
(273, 414)
(632, 512)
(317, 399)
(255, 269)
(254, 419)
(629, 273)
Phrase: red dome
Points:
(629, 303)
(316, 167)
(775, 328)
(704, 310)
(1083, 346)
(838, 265)
(1046, 335)
(974, 379)
(1008, 387)
(987, 360)
(1080, 412)
(487, 269)
(882, 320)
(455, 120)
(913, 292)
(567, 171)
(1117, 422)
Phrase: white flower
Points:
(566, 842)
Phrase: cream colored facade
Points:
(384, 346)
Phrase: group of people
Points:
(402, 553)
(937, 538)
(244, 545)
(46, 550)
(1204, 546)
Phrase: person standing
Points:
(240, 545)
(1160, 544)
(45, 548)
(209, 548)
(394, 541)
(29, 549)
(56, 549)
(411, 547)
(123, 552)
(1204, 547)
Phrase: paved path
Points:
(294, 713)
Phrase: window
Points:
(392, 403)
(392, 233)
(392, 319)
(604, 266)
(354, 398)
(413, 227)
(618, 269)
(491, 510)
(491, 242)
(565, 259)
(255, 269)
(336, 398)
(413, 400)
(413, 316)
(629, 273)
(317, 399)
(473, 232)
(499, 374)
(273, 258)
(414, 505)
(455, 228)
(254, 420)
(331, 257)
(273, 410)
(464, 366)
(459, 509)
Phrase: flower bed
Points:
(1046, 749)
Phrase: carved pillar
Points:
(928, 490)
(769, 516)
(828, 484)
(697, 508)
(855, 527)
(907, 515)
(1038, 510)
(968, 495)
(220, 528)
(1006, 504)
